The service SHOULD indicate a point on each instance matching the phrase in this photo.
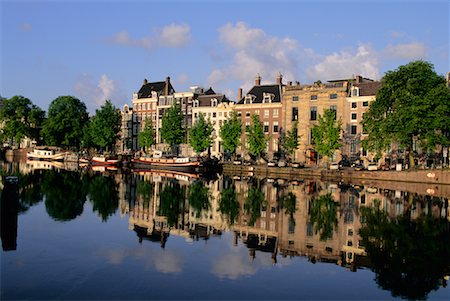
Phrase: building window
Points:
(291, 227)
(248, 99)
(247, 114)
(353, 147)
(333, 96)
(213, 102)
(275, 127)
(353, 129)
(214, 114)
(355, 92)
(267, 97)
(365, 104)
(266, 127)
(295, 98)
(313, 113)
(354, 116)
(257, 112)
(275, 112)
(334, 109)
(314, 97)
(266, 113)
(294, 114)
(354, 105)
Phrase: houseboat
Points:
(103, 160)
(169, 163)
(46, 153)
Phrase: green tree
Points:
(288, 203)
(410, 258)
(256, 138)
(199, 197)
(105, 126)
(326, 133)
(20, 118)
(200, 137)
(67, 117)
(172, 129)
(324, 215)
(172, 199)
(103, 195)
(228, 205)
(289, 141)
(253, 204)
(230, 132)
(412, 103)
(147, 137)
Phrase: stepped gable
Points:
(258, 92)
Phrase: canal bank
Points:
(434, 182)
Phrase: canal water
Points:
(146, 235)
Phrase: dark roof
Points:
(159, 87)
(210, 91)
(368, 88)
(258, 92)
(205, 100)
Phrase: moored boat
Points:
(104, 160)
(158, 162)
(46, 153)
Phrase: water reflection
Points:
(403, 237)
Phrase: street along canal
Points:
(152, 235)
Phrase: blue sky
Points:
(97, 50)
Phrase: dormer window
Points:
(154, 94)
(249, 99)
(195, 103)
(355, 92)
(214, 102)
(268, 97)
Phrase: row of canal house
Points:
(278, 105)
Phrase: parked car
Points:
(372, 166)
(296, 165)
(237, 162)
(271, 164)
(282, 163)
(334, 166)
(358, 166)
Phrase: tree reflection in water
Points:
(254, 202)
(288, 203)
(103, 195)
(228, 205)
(64, 200)
(172, 199)
(324, 215)
(199, 197)
(409, 257)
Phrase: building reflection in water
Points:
(9, 213)
(282, 221)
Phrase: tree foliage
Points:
(253, 204)
(105, 126)
(172, 199)
(199, 197)
(326, 133)
(256, 138)
(228, 205)
(200, 136)
(147, 137)
(289, 141)
(230, 132)
(172, 130)
(409, 257)
(67, 117)
(413, 101)
(324, 215)
(20, 118)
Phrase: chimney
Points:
(258, 80)
(279, 78)
(145, 82)
(166, 87)
(239, 96)
(359, 79)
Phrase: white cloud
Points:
(94, 94)
(175, 35)
(408, 51)
(172, 36)
(254, 52)
(364, 61)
